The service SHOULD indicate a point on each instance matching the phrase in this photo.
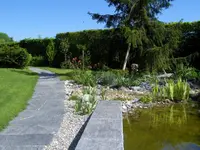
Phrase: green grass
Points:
(16, 88)
(63, 74)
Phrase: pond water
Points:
(175, 127)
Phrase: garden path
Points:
(34, 127)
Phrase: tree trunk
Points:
(83, 59)
(127, 55)
(65, 57)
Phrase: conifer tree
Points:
(144, 33)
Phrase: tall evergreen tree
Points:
(138, 19)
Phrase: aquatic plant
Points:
(173, 90)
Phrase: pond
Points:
(175, 127)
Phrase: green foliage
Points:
(146, 99)
(103, 93)
(74, 97)
(50, 52)
(64, 46)
(87, 103)
(103, 46)
(142, 30)
(36, 47)
(85, 77)
(107, 78)
(154, 47)
(175, 91)
(37, 61)
(186, 72)
(67, 65)
(131, 13)
(14, 57)
(4, 38)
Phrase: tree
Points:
(83, 48)
(64, 46)
(136, 17)
(4, 38)
(50, 52)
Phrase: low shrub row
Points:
(13, 56)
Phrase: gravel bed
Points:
(70, 125)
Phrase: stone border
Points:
(105, 128)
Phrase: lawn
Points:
(63, 74)
(16, 88)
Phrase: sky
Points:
(45, 18)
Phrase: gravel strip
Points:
(71, 123)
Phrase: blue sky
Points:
(30, 18)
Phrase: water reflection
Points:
(176, 127)
(183, 146)
(172, 117)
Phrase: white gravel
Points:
(71, 123)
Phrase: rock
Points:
(135, 100)
(124, 107)
(136, 88)
(146, 86)
(195, 96)
(139, 92)
(193, 85)
(129, 103)
(166, 75)
(123, 88)
(167, 101)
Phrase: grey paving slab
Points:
(34, 127)
(27, 139)
(35, 147)
(104, 130)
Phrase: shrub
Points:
(120, 72)
(36, 47)
(66, 65)
(107, 78)
(38, 61)
(14, 57)
(87, 103)
(85, 77)
(186, 72)
(74, 64)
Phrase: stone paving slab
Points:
(27, 139)
(32, 147)
(104, 130)
(34, 127)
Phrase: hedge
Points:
(13, 56)
(103, 46)
(37, 48)
(108, 47)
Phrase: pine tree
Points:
(141, 28)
